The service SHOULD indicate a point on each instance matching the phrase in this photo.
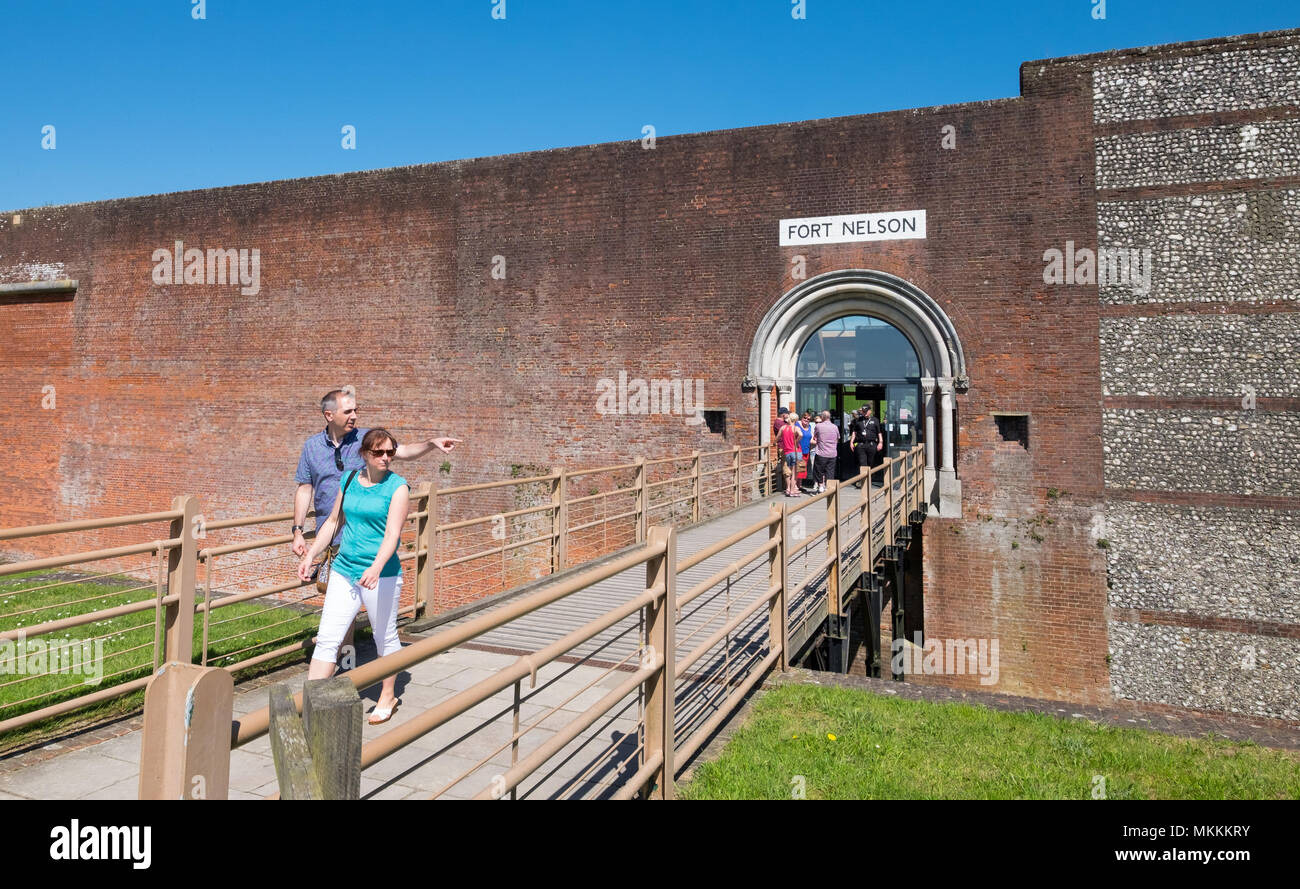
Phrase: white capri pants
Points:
(343, 599)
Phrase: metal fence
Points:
(661, 670)
(85, 627)
(665, 668)
(512, 532)
(89, 626)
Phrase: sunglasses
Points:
(384, 452)
(338, 459)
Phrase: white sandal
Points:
(384, 713)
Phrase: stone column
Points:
(927, 393)
(945, 393)
(784, 393)
(949, 486)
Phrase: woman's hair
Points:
(374, 437)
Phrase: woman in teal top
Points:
(366, 571)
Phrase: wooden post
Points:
(735, 460)
(778, 611)
(318, 756)
(898, 634)
(560, 520)
(661, 633)
(426, 542)
(289, 750)
(641, 501)
(697, 486)
(182, 570)
(331, 717)
(185, 745)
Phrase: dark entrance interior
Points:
(847, 364)
(855, 361)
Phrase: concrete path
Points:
(110, 769)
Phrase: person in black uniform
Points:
(867, 439)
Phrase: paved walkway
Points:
(110, 769)
(539, 628)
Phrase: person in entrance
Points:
(789, 441)
(826, 443)
(867, 440)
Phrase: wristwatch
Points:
(297, 528)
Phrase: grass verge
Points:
(837, 743)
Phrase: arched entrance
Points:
(801, 312)
(858, 361)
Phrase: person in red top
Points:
(791, 447)
(777, 425)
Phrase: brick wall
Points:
(659, 263)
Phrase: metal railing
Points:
(183, 575)
(665, 667)
(85, 627)
(516, 531)
(182, 582)
(43, 669)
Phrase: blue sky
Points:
(144, 98)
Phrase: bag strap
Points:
(344, 495)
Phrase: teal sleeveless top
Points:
(365, 511)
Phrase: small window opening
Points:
(716, 421)
(1014, 428)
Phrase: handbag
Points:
(323, 573)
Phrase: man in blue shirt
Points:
(328, 455)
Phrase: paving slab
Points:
(373, 788)
(123, 747)
(413, 766)
(127, 788)
(71, 776)
(466, 678)
(249, 771)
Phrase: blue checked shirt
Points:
(316, 467)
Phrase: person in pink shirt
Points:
(791, 436)
(826, 444)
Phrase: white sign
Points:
(895, 226)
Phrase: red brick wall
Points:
(658, 262)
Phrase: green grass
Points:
(886, 748)
(237, 632)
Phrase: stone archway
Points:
(804, 309)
